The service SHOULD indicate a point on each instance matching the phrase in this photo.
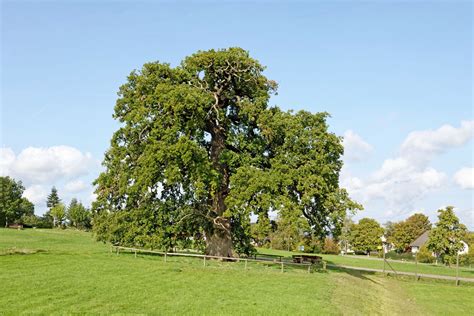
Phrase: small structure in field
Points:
(16, 226)
(307, 258)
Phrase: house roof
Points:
(421, 240)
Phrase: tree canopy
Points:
(365, 235)
(445, 238)
(78, 216)
(58, 212)
(405, 232)
(12, 203)
(199, 150)
(53, 198)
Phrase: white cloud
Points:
(397, 181)
(75, 186)
(42, 165)
(465, 178)
(431, 178)
(406, 178)
(466, 215)
(393, 167)
(422, 146)
(355, 148)
(92, 197)
(40, 168)
(350, 182)
(36, 194)
(399, 191)
(7, 158)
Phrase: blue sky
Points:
(395, 76)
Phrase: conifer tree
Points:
(53, 198)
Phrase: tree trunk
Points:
(219, 240)
(220, 244)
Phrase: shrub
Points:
(425, 255)
(407, 256)
(36, 221)
(312, 245)
(330, 246)
(278, 242)
(467, 259)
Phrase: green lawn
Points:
(357, 261)
(67, 272)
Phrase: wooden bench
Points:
(16, 226)
(307, 258)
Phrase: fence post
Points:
(383, 260)
(282, 267)
(165, 256)
(457, 269)
(324, 265)
(309, 268)
(204, 260)
(416, 267)
(135, 253)
(396, 275)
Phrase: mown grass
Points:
(74, 274)
(378, 264)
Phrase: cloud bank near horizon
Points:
(397, 183)
(40, 168)
(408, 177)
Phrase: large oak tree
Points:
(199, 150)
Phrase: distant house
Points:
(419, 242)
(423, 239)
(346, 249)
(464, 250)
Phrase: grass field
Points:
(56, 271)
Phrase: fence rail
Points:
(417, 275)
(205, 257)
(282, 263)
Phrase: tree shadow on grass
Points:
(355, 273)
(20, 251)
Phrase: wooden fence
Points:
(165, 254)
(282, 264)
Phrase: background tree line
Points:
(292, 233)
(287, 232)
(16, 209)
